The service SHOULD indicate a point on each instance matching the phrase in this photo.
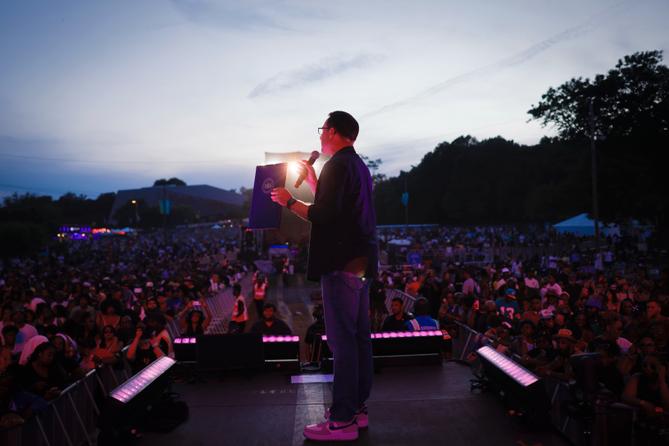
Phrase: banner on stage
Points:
(266, 214)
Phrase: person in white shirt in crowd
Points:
(469, 286)
(26, 331)
(500, 282)
(531, 280)
(215, 284)
(551, 286)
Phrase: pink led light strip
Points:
(402, 334)
(264, 339)
(281, 339)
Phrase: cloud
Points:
(315, 72)
(507, 62)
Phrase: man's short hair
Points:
(397, 299)
(269, 305)
(344, 124)
(421, 307)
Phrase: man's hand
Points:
(52, 393)
(280, 195)
(310, 179)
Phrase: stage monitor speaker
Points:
(185, 349)
(522, 389)
(230, 352)
(129, 404)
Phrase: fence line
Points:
(70, 419)
(221, 304)
(467, 340)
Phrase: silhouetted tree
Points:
(171, 182)
(373, 166)
(499, 181)
(632, 98)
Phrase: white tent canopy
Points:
(399, 242)
(579, 225)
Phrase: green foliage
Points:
(141, 215)
(498, 181)
(247, 195)
(630, 99)
(41, 210)
(27, 220)
(18, 238)
(373, 166)
(631, 124)
(492, 181)
(171, 182)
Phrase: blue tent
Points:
(579, 225)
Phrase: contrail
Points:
(507, 62)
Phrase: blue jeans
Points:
(346, 308)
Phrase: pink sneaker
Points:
(361, 417)
(332, 431)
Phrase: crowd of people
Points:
(570, 297)
(79, 304)
(539, 296)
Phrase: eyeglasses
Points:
(320, 129)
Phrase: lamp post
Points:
(134, 204)
(593, 154)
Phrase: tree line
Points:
(496, 180)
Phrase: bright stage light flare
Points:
(294, 167)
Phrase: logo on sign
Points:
(268, 185)
(414, 258)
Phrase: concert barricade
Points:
(220, 305)
(466, 341)
(607, 423)
(407, 300)
(71, 419)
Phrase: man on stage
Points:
(343, 255)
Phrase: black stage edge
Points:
(410, 405)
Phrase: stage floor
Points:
(410, 405)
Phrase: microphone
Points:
(312, 159)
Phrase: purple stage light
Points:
(401, 334)
(281, 339)
(131, 388)
(520, 374)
